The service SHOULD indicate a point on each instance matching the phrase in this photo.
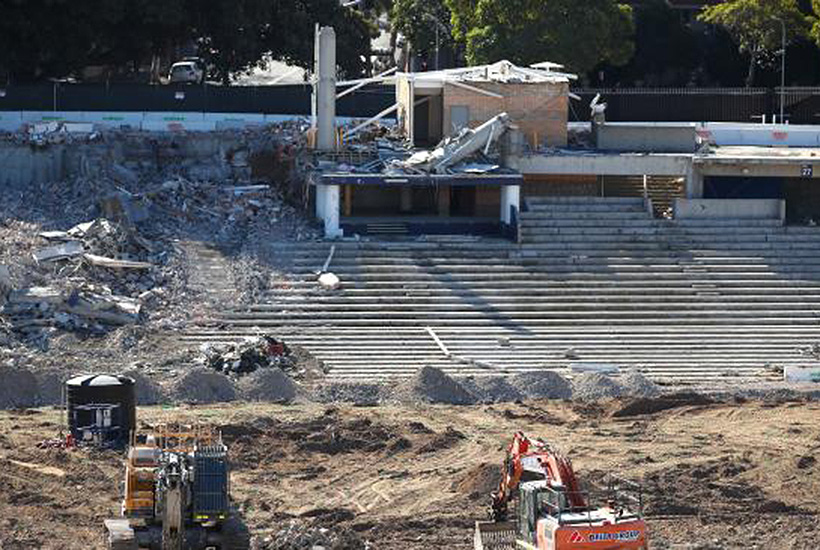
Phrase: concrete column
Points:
(510, 196)
(694, 183)
(444, 201)
(326, 90)
(332, 229)
(320, 201)
(406, 199)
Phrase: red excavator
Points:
(552, 512)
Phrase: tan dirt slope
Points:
(723, 475)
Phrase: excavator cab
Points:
(547, 516)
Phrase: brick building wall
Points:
(539, 110)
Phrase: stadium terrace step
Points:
(594, 280)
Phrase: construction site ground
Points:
(732, 474)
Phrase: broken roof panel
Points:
(502, 71)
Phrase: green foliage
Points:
(755, 25)
(580, 34)
(417, 20)
(56, 38)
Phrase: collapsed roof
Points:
(502, 71)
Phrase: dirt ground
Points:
(716, 475)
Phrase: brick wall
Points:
(539, 110)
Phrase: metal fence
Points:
(801, 105)
(275, 100)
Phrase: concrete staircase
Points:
(662, 190)
(592, 281)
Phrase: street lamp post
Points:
(782, 64)
(439, 26)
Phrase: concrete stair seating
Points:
(593, 280)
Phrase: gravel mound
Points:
(636, 384)
(432, 385)
(203, 386)
(18, 388)
(594, 386)
(297, 536)
(50, 387)
(268, 384)
(146, 391)
(542, 385)
(350, 392)
(491, 389)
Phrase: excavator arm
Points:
(529, 459)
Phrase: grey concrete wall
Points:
(638, 137)
(205, 155)
(22, 165)
(730, 208)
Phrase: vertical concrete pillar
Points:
(444, 201)
(348, 200)
(406, 199)
(320, 201)
(694, 183)
(326, 90)
(510, 197)
(332, 229)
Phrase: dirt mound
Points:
(18, 388)
(146, 391)
(717, 487)
(268, 384)
(595, 386)
(491, 389)
(331, 435)
(636, 384)
(50, 387)
(432, 385)
(350, 392)
(479, 481)
(542, 384)
(450, 437)
(651, 405)
(203, 386)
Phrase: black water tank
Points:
(101, 408)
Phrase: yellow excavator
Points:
(176, 494)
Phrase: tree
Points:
(755, 26)
(580, 34)
(419, 21)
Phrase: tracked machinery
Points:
(176, 494)
(552, 512)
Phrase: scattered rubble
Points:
(248, 356)
(297, 535)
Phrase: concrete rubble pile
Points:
(101, 248)
(248, 356)
(457, 149)
(298, 536)
(470, 151)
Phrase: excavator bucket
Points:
(491, 535)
